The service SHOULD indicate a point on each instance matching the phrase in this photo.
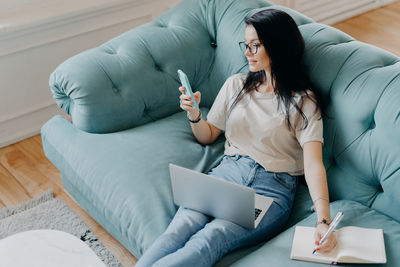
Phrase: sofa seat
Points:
(277, 250)
(137, 205)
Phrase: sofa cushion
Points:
(122, 178)
(276, 252)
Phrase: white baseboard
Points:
(25, 125)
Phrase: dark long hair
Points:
(284, 44)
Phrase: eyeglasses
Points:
(252, 47)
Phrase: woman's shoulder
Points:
(237, 78)
(235, 82)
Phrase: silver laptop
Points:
(217, 197)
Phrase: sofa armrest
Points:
(132, 79)
(116, 86)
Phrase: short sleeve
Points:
(217, 114)
(314, 129)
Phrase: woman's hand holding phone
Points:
(187, 103)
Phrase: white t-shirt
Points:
(256, 127)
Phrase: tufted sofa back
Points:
(360, 85)
(132, 80)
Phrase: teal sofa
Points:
(127, 125)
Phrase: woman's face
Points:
(260, 59)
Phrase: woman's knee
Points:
(275, 219)
(187, 221)
(216, 236)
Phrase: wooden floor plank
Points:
(12, 192)
(33, 150)
(26, 170)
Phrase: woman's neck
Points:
(266, 86)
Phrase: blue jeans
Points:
(195, 239)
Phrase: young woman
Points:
(273, 130)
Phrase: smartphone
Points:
(188, 90)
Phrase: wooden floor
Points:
(380, 27)
(25, 172)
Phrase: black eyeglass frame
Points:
(243, 47)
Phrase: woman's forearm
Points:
(204, 132)
(317, 184)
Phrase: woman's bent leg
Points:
(184, 224)
(219, 237)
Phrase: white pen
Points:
(332, 227)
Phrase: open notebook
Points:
(355, 245)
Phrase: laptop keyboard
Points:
(258, 211)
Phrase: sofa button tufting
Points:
(158, 68)
(372, 125)
(379, 188)
(214, 44)
(115, 90)
(109, 51)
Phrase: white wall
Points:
(36, 37)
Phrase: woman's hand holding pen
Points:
(186, 103)
(329, 243)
